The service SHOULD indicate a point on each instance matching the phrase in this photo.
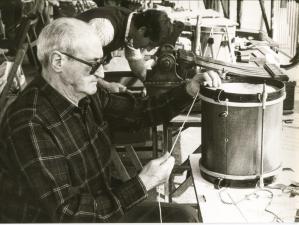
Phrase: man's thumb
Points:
(163, 158)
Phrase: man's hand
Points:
(112, 87)
(116, 87)
(209, 78)
(3, 51)
(157, 171)
(54, 2)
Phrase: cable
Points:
(247, 197)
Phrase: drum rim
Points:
(216, 29)
(273, 172)
(219, 95)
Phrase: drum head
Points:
(241, 89)
(246, 88)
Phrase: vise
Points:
(169, 70)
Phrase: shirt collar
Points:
(62, 105)
(128, 26)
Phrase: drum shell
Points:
(231, 145)
(232, 134)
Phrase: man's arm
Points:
(136, 62)
(111, 87)
(124, 112)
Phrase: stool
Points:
(194, 120)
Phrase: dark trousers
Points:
(148, 212)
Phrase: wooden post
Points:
(239, 12)
(265, 17)
(17, 62)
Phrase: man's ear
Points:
(56, 61)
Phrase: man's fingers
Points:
(163, 158)
(122, 88)
(207, 79)
(168, 163)
(212, 79)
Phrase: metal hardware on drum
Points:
(264, 99)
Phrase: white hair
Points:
(63, 34)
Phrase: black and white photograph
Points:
(149, 111)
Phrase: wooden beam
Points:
(239, 13)
(272, 18)
(265, 17)
(225, 9)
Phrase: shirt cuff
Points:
(131, 193)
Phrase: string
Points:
(185, 120)
(172, 148)
(247, 197)
(238, 208)
(159, 205)
(6, 59)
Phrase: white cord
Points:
(172, 148)
(181, 128)
(159, 204)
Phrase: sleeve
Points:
(104, 29)
(45, 169)
(126, 112)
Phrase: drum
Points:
(236, 128)
(217, 38)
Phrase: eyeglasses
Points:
(94, 65)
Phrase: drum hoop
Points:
(238, 177)
(216, 29)
(242, 104)
(220, 95)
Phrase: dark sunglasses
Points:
(94, 65)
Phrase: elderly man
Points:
(55, 156)
(119, 27)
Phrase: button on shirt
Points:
(55, 157)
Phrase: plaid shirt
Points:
(55, 166)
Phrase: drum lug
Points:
(223, 114)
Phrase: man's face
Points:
(77, 74)
(140, 41)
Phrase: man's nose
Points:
(99, 73)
